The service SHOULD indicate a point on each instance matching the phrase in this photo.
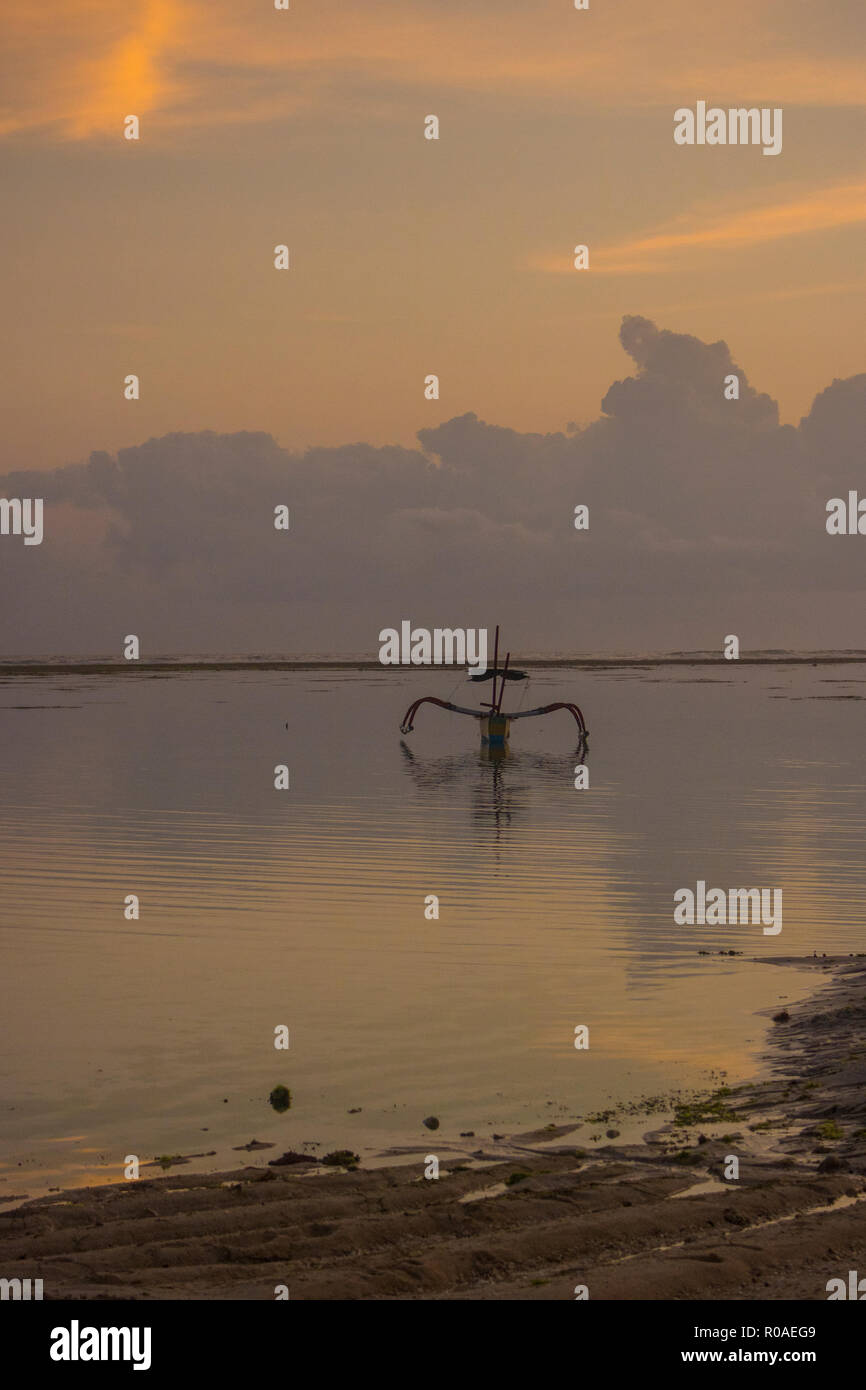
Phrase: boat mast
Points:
(498, 705)
(491, 704)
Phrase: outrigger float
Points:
(495, 723)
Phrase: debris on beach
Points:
(281, 1099)
(341, 1158)
(169, 1160)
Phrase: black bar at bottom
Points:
(255, 1340)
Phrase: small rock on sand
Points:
(832, 1164)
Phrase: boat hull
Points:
(495, 729)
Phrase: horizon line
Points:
(113, 665)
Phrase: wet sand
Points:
(531, 1217)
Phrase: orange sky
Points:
(410, 256)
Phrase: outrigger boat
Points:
(495, 723)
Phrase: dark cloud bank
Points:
(707, 517)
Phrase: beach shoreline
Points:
(657, 1219)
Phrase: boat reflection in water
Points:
(499, 781)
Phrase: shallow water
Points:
(306, 907)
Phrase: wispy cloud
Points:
(133, 76)
(842, 205)
(197, 63)
(77, 73)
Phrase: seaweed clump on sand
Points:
(290, 1157)
(281, 1099)
(694, 1112)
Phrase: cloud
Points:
(196, 64)
(833, 429)
(706, 517)
(842, 205)
(133, 76)
(79, 72)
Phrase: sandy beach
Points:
(530, 1216)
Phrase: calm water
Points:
(306, 907)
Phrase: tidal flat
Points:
(540, 1215)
